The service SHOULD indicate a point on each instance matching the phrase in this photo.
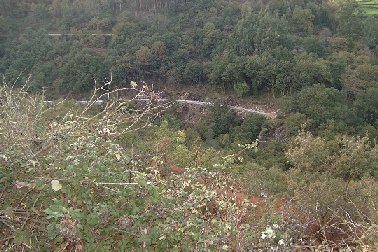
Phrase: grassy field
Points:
(370, 6)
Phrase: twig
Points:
(14, 82)
(7, 239)
(91, 102)
(104, 183)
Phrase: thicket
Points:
(119, 178)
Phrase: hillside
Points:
(174, 157)
(250, 48)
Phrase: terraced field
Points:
(370, 6)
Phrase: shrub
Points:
(319, 104)
(325, 210)
(344, 157)
(241, 89)
(250, 128)
(220, 121)
(309, 153)
(295, 122)
(272, 155)
(266, 182)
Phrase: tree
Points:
(194, 72)
(301, 21)
(320, 104)
(221, 120)
(212, 36)
(269, 70)
(310, 70)
(350, 19)
(226, 70)
(81, 69)
(314, 45)
(257, 71)
(371, 32)
(366, 105)
(143, 56)
(360, 78)
(26, 55)
(371, 35)
(337, 64)
(258, 32)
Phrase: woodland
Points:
(157, 175)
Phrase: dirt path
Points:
(270, 115)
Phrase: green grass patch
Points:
(371, 11)
(370, 6)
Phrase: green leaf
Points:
(55, 185)
(52, 231)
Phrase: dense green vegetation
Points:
(275, 48)
(156, 177)
(278, 47)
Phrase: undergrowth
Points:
(76, 178)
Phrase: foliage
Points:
(366, 105)
(320, 104)
(221, 120)
(250, 129)
(274, 47)
(91, 189)
(327, 209)
(31, 54)
(84, 178)
(344, 157)
(82, 69)
(241, 89)
(349, 18)
(127, 176)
